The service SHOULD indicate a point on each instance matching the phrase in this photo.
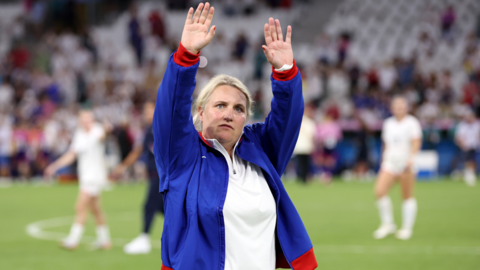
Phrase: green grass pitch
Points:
(340, 219)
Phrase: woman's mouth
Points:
(226, 126)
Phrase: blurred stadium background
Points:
(58, 56)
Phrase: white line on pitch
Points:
(37, 230)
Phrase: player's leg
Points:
(409, 206)
(76, 231)
(303, 166)
(470, 177)
(383, 184)
(103, 233)
(141, 244)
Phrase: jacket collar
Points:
(207, 142)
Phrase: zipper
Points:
(221, 217)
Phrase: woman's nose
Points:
(228, 115)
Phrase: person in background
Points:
(305, 144)
(89, 148)
(6, 134)
(448, 20)
(467, 138)
(327, 136)
(154, 199)
(135, 34)
(402, 139)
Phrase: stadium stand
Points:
(359, 54)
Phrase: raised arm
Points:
(173, 129)
(279, 133)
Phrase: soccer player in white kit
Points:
(401, 136)
(467, 138)
(89, 148)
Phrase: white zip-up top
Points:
(250, 216)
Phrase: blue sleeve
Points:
(279, 133)
(173, 129)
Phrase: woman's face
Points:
(224, 115)
(399, 107)
(86, 119)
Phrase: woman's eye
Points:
(220, 106)
(238, 109)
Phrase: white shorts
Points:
(92, 189)
(395, 167)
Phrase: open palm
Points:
(277, 51)
(195, 34)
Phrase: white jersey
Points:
(397, 137)
(250, 216)
(90, 149)
(469, 134)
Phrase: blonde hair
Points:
(206, 94)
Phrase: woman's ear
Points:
(200, 113)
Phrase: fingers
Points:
(267, 53)
(268, 36)
(208, 21)
(289, 35)
(203, 16)
(189, 16)
(196, 16)
(273, 33)
(211, 34)
(279, 30)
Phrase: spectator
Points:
(431, 134)
(305, 145)
(467, 138)
(5, 145)
(343, 45)
(327, 136)
(135, 35)
(241, 46)
(157, 26)
(6, 94)
(387, 76)
(448, 20)
(325, 49)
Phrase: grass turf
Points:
(339, 218)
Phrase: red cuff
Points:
(184, 58)
(165, 268)
(285, 75)
(305, 262)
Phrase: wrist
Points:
(286, 75)
(184, 57)
(285, 67)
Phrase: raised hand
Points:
(277, 51)
(195, 34)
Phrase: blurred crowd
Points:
(345, 98)
(55, 67)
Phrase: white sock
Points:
(384, 205)
(409, 213)
(76, 232)
(103, 234)
(470, 177)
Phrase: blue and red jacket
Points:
(195, 175)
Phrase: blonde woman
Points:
(225, 205)
(402, 139)
(88, 148)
